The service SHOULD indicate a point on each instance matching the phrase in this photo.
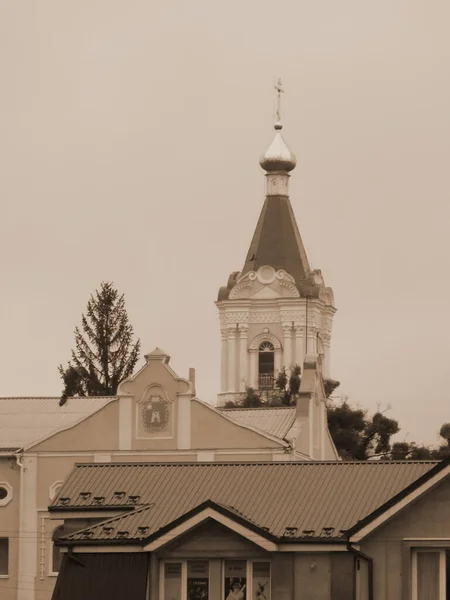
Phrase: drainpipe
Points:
(369, 561)
(20, 464)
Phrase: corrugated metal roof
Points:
(24, 421)
(276, 421)
(306, 496)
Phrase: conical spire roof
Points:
(277, 241)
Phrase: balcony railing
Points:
(266, 381)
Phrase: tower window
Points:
(266, 364)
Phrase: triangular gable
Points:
(212, 511)
(206, 511)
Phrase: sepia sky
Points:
(130, 134)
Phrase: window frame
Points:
(6, 575)
(184, 572)
(51, 570)
(9, 493)
(441, 550)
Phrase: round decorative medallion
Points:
(266, 274)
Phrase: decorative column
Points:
(254, 368)
(311, 341)
(231, 360)
(326, 354)
(299, 345)
(277, 361)
(287, 343)
(223, 361)
(243, 357)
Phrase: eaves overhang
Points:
(393, 506)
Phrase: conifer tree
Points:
(104, 352)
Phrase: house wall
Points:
(427, 517)
(209, 430)
(294, 576)
(97, 432)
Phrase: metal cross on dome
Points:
(279, 90)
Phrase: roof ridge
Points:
(299, 463)
(257, 408)
(54, 397)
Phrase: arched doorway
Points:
(266, 366)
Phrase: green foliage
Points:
(104, 352)
(444, 432)
(287, 387)
(356, 435)
(330, 385)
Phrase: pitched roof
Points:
(24, 421)
(275, 421)
(277, 241)
(311, 499)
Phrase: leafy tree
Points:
(330, 385)
(250, 399)
(104, 352)
(358, 436)
(287, 386)
(413, 451)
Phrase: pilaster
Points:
(299, 344)
(223, 360)
(243, 357)
(287, 345)
(232, 359)
(253, 354)
(28, 532)
(184, 421)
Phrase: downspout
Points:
(369, 560)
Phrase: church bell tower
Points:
(276, 310)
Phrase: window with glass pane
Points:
(197, 580)
(4, 556)
(261, 581)
(235, 580)
(428, 575)
(172, 581)
(56, 559)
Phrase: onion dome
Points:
(278, 156)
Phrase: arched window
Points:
(266, 366)
(56, 556)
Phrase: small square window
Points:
(4, 557)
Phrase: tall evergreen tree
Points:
(104, 352)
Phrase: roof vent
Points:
(85, 495)
(343, 532)
(88, 534)
(64, 501)
(142, 530)
(290, 532)
(133, 499)
(327, 531)
(119, 495)
(308, 533)
(99, 499)
(108, 529)
(122, 534)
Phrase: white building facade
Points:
(277, 310)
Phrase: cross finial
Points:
(279, 90)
